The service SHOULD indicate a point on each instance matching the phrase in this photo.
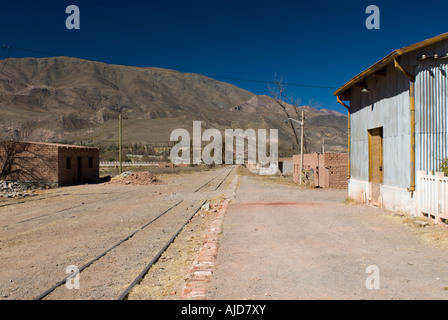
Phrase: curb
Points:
(201, 272)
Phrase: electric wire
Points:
(206, 75)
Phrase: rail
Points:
(156, 257)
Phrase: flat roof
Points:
(388, 59)
(60, 145)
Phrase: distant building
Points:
(398, 125)
(48, 163)
(324, 170)
(285, 166)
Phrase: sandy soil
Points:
(42, 236)
(281, 241)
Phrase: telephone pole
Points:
(302, 124)
(301, 148)
(120, 136)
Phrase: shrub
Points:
(443, 166)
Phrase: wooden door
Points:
(375, 163)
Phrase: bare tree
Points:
(12, 159)
(278, 94)
(19, 161)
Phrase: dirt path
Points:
(278, 241)
(283, 242)
(40, 237)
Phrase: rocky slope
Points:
(78, 101)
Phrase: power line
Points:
(32, 51)
(4, 65)
(6, 60)
(270, 82)
(166, 70)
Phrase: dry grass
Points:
(437, 235)
(433, 234)
(166, 278)
(349, 201)
(243, 171)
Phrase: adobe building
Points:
(285, 166)
(324, 170)
(48, 164)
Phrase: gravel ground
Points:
(166, 278)
(43, 235)
(281, 241)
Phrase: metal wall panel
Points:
(431, 114)
(387, 106)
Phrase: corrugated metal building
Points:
(398, 123)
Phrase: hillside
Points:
(78, 101)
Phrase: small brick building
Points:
(325, 170)
(285, 166)
(48, 163)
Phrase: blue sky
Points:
(317, 43)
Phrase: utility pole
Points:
(301, 148)
(120, 134)
(302, 124)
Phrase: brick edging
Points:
(202, 267)
(202, 270)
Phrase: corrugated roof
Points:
(388, 59)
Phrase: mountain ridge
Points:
(70, 99)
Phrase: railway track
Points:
(215, 183)
(69, 209)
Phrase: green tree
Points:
(443, 166)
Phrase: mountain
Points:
(78, 101)
(266, 104)
(320, 125)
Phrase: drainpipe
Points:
(348, 134)
(412, 109)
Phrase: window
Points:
(90, 162)
(68, 163)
